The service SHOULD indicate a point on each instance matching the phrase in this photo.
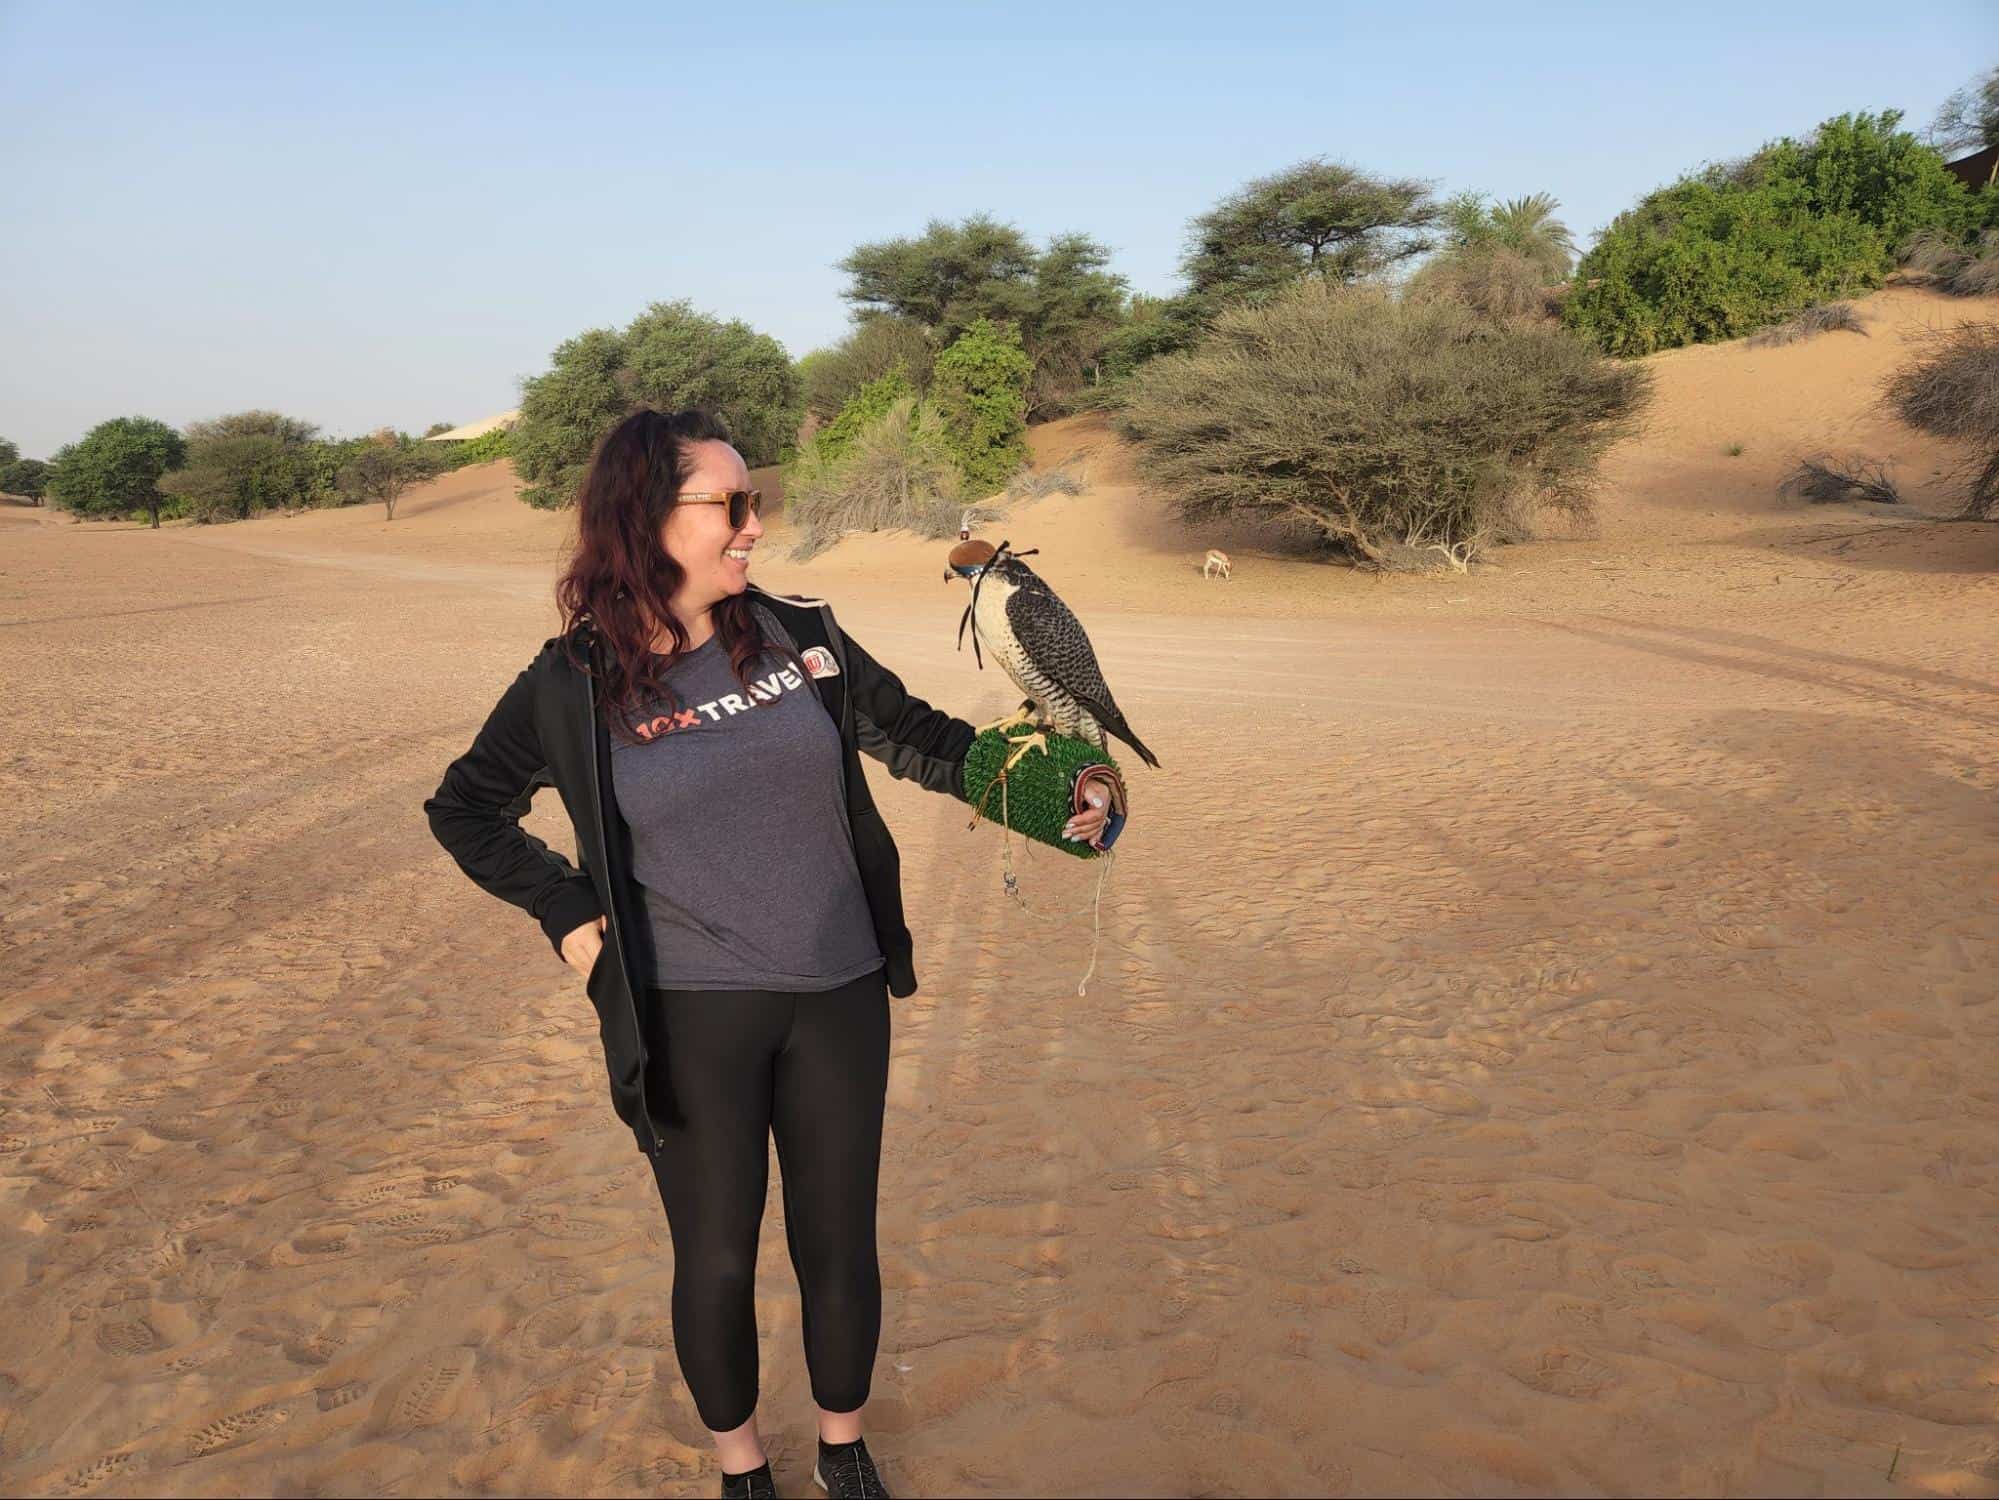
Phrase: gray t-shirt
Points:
(738, 810)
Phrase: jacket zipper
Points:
(611, 926)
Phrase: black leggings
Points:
(812, 1069)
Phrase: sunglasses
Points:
(742, 503)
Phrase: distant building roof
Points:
(1977, 169)
(477, 429)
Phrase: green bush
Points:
(1723, 252)
(482, 449)
(980, 389)
(1388, 428)
(867, 407)
(897, 471)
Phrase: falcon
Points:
(1040, 644)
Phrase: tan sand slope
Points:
(1543, 1041)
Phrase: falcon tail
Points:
(1114, 722)
(1119, 728)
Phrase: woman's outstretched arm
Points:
(915, 741)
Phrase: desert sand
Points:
(1543, 1038)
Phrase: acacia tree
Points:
(1969, 119)
(116, 467)
(1063, 299)
(1317, 218)
(383, 470)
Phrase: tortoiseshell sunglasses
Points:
(742, 503)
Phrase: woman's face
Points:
(699, 536)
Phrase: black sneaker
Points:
(757, 1484)
(844, 1470)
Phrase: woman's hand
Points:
(581, 947)
(1085, 826)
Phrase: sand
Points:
(1558, 1057)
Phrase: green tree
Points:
(1064, 299)
(8, 452)
(980, 391)
(28, 477)
(115, 468)
(669, 356)
(436, 427)
(1318, 218)
(1527, 227)
(243, 463)
(383, 470)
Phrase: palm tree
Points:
(1528, 226)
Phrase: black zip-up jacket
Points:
(546, 730)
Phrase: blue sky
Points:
(363, 215)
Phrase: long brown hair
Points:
(620, 579)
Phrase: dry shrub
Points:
(1826, 317)
(1828, 481)
(1949, 264)
(1951, 390)
(897, 473)
(1375, 421)
(1029, 484)
(1491, 280)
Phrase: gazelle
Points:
(1217, 561)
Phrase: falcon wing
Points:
(1053, 638)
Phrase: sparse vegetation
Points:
(1734, 450)
(1951, 390)
(899, 471)
(1827, 317)
(1380, 424)
(1491, 280)
(1950, 263)
(1830, 481)
(1035, 484)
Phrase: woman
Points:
(738, 914)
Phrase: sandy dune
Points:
(1543, 1039)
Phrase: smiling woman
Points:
(738, 917)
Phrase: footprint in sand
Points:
(429, 1392)
(333, 1397)
(1384, 1313)
(128, 1338)
(98, 1472)
(1566, 1372)
(236, 1429)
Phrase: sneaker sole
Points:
(819, 1479)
